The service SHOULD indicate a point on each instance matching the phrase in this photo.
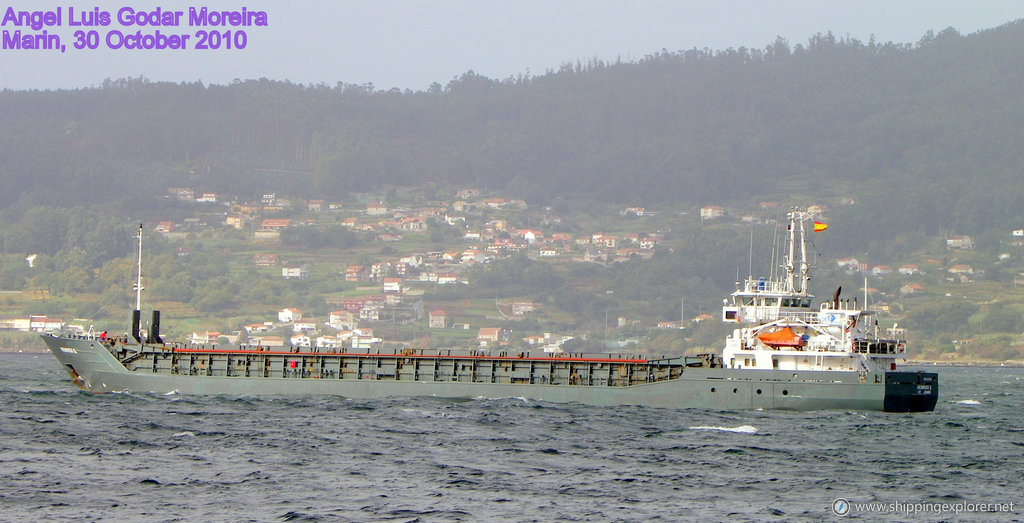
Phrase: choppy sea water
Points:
(67, 454)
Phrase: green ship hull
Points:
(604, 380)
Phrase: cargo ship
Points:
(785, 353)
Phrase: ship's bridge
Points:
(763, 300)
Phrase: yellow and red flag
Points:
(818, 226)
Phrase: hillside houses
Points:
(305, 324)
(909, 270)
(711, 212)
(289, 315)
(357, 273)
(266, 259)
(185, 194)
(204, 337)
(881, 270)
(392, 285)
(295, 273)
(376, 209)
(441, 278)
(259, 328)
(961, 268)
(31, 324)
(492, 336)
(343, 320)
(523, 308)
(271, 227)
(438, 319)
(301, 340)
(275, 224)
(392, 260)
(237, 221)
(849, 264)
(484, 240)
(962, 242)
(911, 289)
(266, 341)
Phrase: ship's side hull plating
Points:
(96, 369)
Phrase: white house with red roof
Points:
(289, 315)
(392, 285)
(204, 337)
(909, 270)
(437, 319)
(305, 324)
(710, 212)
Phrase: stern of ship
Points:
(911, 391)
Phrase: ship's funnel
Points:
(154, 329)
(136, 322)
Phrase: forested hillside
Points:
(926, 136)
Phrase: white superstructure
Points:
(782, 330)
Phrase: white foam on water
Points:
(490, 398)
(426, 413)
(185, 434)
(744, 429)
(969, 402)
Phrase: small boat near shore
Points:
(784, 354)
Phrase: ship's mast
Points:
(138, 280)
(796, 268)
(804, 276)
(792, 245)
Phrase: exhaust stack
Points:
(154, 329)
(136, 323)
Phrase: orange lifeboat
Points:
(784, 337)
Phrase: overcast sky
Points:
(410, 44)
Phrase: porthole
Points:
(712, 389)
(758, 391)
(734, 391)
(785, 392)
